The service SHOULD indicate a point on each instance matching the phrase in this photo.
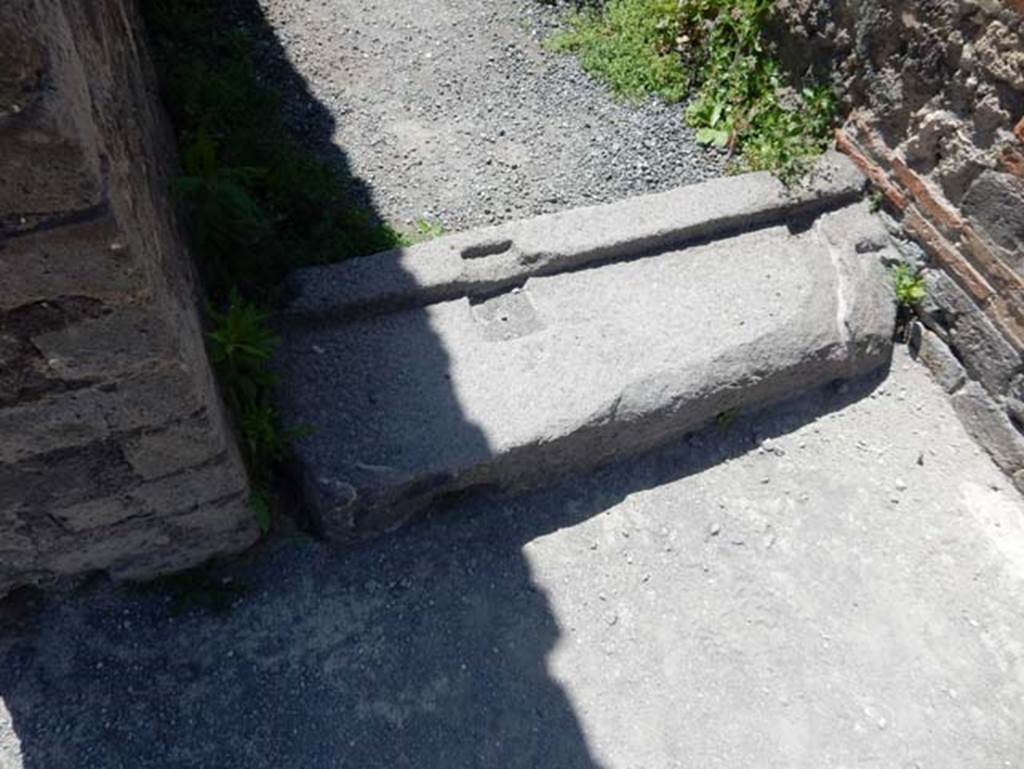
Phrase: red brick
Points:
(936, 209)
(1006, 317)
(1011, 160)
(948, 257)
(870, 169)
(989, 264)
(1006, 309)
(869, 139)
(1006, 306)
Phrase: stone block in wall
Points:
(994, 203)
(984, 351)
(87, 259)
(139, 406)
(990, 426)
(64, 420)
(64, 477)
(143, 547)
(165, 498)
(113, 342)
(225, 526)
(180, 445)
(51, 164)
(938, 358)
(155, 395)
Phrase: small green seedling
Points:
(725, 419)
(910, 286)
(423, 231)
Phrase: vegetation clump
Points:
(258, 203)
(715, 53)
(909, 284)
(631, 44)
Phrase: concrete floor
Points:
(835, 583)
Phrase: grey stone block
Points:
(161, 498)
(147, 548)
(936, 355)
(985, 353)
(219, 528)
(148, 398)
(184, 444)
(495, 258)
(574, 368)
(84, 259)
(118, 340)
(995, 205)
(989, 425)
(65, 421)
(64, 477)
(49, 154)
(159, 393)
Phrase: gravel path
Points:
(452, 111)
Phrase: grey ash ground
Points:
(454, 112)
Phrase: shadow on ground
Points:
(425, 649)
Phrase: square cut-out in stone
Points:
(506, 316)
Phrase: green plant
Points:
(424, 230)
(876, 201)
(241, 347)
(717, 52)
(725, 419)
(631, 45)
(225, 218)
(910, 285)
(259, 202)
(743, 100)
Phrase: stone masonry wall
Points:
(114, 450)
(935, 95)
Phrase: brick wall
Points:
(114, 450)
(935, 95)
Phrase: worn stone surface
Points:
(51, 160)
(81, 259)
(575, 368)
(110, 423)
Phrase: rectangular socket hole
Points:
(487, 248)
